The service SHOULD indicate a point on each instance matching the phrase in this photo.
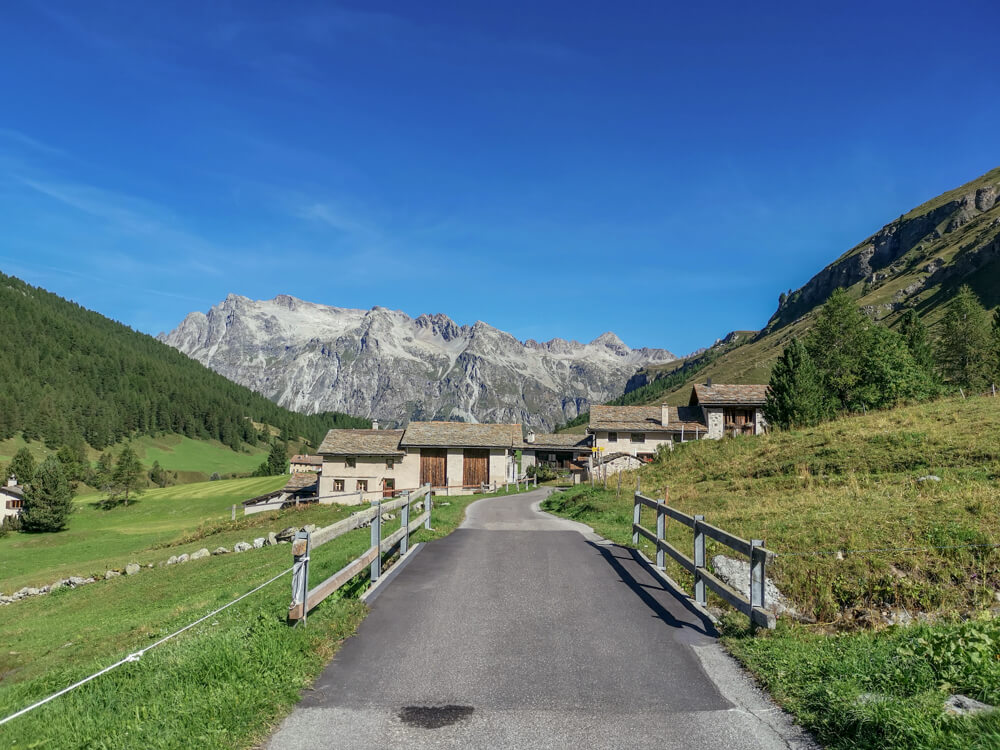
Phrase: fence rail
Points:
(754, 607)
(304, 598)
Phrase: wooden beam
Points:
(342, 576)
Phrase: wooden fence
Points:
(753, 549)
(304, 598)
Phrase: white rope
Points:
(138, 654)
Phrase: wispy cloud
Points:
(19, 139)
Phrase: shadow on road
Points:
(635, 574)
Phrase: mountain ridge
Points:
(384, 364)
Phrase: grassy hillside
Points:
(861, 543)
(191, 460)
(67, 373)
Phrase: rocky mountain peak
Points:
(383, 364)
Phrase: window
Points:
(390, 462)
(350, 462)
(338, 485)
(638, 437)
(612, 437)
(13, 504)
(362, 485)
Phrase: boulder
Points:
(220, 551)
(309, 528)
(132, 568)
(962, 705)
(172, 560)
(286, 535)
(183, 558)
(58, 584)
(109, 574)
(259, 542)
(242, 547)
(929, 478)
(79, 581)
(272, 539)
(200, 554)
(737, 574)
(388, 516)
(418, 507)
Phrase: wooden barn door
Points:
(475, 467)
(433, 463)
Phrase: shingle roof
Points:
(728, 395)
(644, 419)
(361, 443)
(14, 489)
(301, 481)
(558, 441)
(461, 435)
(307, 459)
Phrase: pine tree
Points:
(22, 466)
(129, 475)
(966, 351)
(888, 373)
(277, 461)
(104, 471)
(796, 396)
(157, 475)
(836, 344)
(48, 500)
(914, 332)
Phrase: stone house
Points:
(454, 457)
(301, 463)
(640, 430)
(11, 500)
(560, 450)
(731, 409)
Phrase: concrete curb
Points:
(386, 578)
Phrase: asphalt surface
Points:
(521, 630)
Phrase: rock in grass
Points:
(183, 558)
(286, 534)
(929, 478)
(172, 560)
(132, 568)
(259, 542)
(79, 581)
(202, 553)
(962, 705)
(242, 547)
(272, 539)
(737, 574)
(109, 574)
(220, 551)
(309, 528)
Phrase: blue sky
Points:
(661, 170)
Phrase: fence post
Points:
(300, 577)
(427, 503)
(636, 516)
(660, 529)
(404, 514)
(234, 512)
(699, 561)
(376, 569)
(757, 573)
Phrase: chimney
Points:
(12, 481)
(374, 424)
(664, 415)
(531, 436)
(709, 382)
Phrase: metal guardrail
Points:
(753, 549)
(304, 598)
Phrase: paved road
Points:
(521, 630)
